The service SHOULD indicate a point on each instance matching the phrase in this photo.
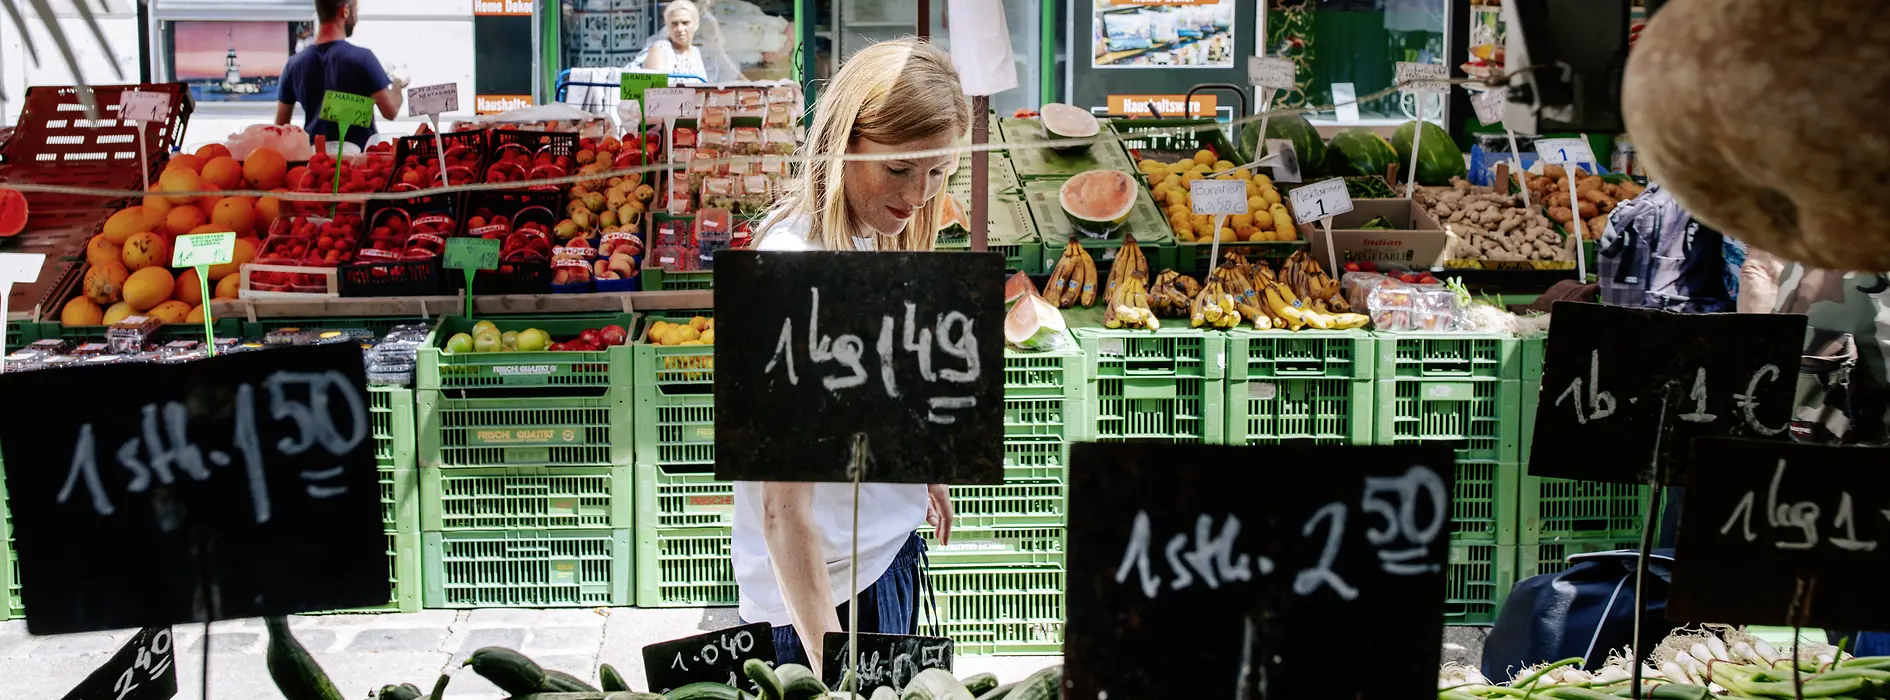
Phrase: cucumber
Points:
(997, 693)
(513, 672)
(705, 691)
(981, 683)
(561, 682)
(404, 691)
(758, 671)
(295, 672)
(439, 687)
(935, 684)
(1046, 684)
(610, 679)
(799, 682)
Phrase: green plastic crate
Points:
(994, 611)
(1024, 256)
(1007, 222)
(1043, 394)
(1035, 459)
(390, 417)
(1448, 355)
(1549, 557)
(685, 567)
(607, 369)
(1161, 256)
(17, 336)
(1036, 162)
(563, 431)
(995, 547)
(527, 498)
(675, 402)
(1532, 349)
(1300, 354)
(224, 327)
(1317, 411)
(1483, 504)
(1481, 417)
(1015, 503)
(1559, 509)
(1526, 434)
(1043, 198)
(1138, 137)
(379, 325)
(528, 568)
(1479, 577)
(656, 279)
(1161, 385)
(682, 497)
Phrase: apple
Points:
(591, 337)
(484, 326)
(614, 335)
(509, 339)
(532, 340)
(459, 343)
(557, 347)
(487, 342)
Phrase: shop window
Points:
(1351, 47)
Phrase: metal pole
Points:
(980, 174)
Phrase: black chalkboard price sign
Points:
(1212, 571)
(890, 660)
(143, 669)
(715, 657)
(1782, 527)
(895, 360)
(251, 475)
(1617, 383)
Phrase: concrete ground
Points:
(363, 652)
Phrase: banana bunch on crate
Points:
(1302, 296)
(1173, 294)
(1309, 281)
(1073, 281)
(1126, 298)
(1237, 297)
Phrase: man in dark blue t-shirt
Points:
(331, 63)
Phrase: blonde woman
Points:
(793, 541)
(678, 55)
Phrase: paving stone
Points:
(474, 639)
(75, 645)
(565, 640)
(250, 642)
(563, 617)
(398, 640)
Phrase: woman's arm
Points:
(800, 567)
(659, 56)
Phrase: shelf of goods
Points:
(526, 475)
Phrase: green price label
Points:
(204, 249)
(347, 109)
(635, 83)
(467, 253)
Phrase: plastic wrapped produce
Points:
(1402, 306)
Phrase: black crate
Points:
(423, 147)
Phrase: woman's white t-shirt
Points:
(889, 513)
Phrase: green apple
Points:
(460, 342)
(488, 342)
(533, 340)
(509, 339)
(484, 326)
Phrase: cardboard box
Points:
(1416, 241)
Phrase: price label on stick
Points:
(21, 268)
(1490, 105)
(347, 109)
(144, 668)
(1787, 522)
(1272, 73)
(203, 249)
(471, 254)
(1320, 200)
(890, 660)
(1565, 151)
(1218, 197)
(894, 358)
(1286, 160)
(433, 100)
(1619, 384)
(249, 475)
(632, 84)
(669, 103)
(144, 107)
(1423, 78)
(1192, 574)
(715, 657)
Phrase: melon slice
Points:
(1099, 201)
(1061, 121)
(13, 212)
(1018, 287)
(954, 220)
(1034, 324)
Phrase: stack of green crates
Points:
(684, 544)
(1000, 580)
(526, 477)
(390, 413)
(1311, 387)
(1462, 389)
(1167, 385)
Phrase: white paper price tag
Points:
(1319, 200)
(1275, 73)
(1490, 105)
(1212, 197)
(1423, 78)
(669, 103)
(22, 268)
(1285, 160)
(1565, 151)
(433, 99)
(144, 106)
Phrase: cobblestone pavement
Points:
(363, 652)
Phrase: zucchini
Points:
(404, 691)
(513, 672)
(1046, 684)
(561, 682)
(706, 691)
(981, 683)
(997, 693)
(610, 679)
(770, 685)
(799, 682)
(296, 674)
(935, 684)
(439, 687)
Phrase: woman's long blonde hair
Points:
(892, 92)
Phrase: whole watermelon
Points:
(1307, 145)
(1441, 159)
(1359, 151)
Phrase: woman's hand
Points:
(938, 512)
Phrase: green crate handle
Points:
(1148, 388)
(1447, 391)
(1311, 368)
(1455, 368)
(1165, 368)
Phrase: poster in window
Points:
(234, 61)
(1162, 34)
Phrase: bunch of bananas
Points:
(1073, 281)
(1236, 279)
(1302, 274)
(1125, 299)
(1173, 294)
(1215, 306)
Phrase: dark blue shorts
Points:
(889, 606)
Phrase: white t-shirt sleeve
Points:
(787, 236)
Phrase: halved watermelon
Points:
(1018, 287)
(13, 212)
(1061, 121)
(1034, 324)
(1099, 201)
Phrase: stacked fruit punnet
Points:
(1266, 218)
(129, 259)
(367, 172)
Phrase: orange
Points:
(207, 228)
(235, 214)
(208, 202)
(128, 221)
(265, 169)
(295, 178)
(228, 288)
(145, 251)
(149, 287)
(101, 249)
(157, 206)
(196, 314)
(117, 312)
(185, 161)
(244, 251)
(224, 172)
(170, 312)
(268, 209)
(105, 282)
(81, 312)
(212, 151)
(179, 180)
(188, 289)
(182, 220)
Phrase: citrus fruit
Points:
(182, 219)
(185, 161)
(230, 287)
(188, 289)
(179, 180)
(170, 312)
(212, 151)
(128, 221)
(235, 214)
(224, 172)
(81, 312)
(265, 169)
(117, 312)
(101, 249)
(243, 251)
